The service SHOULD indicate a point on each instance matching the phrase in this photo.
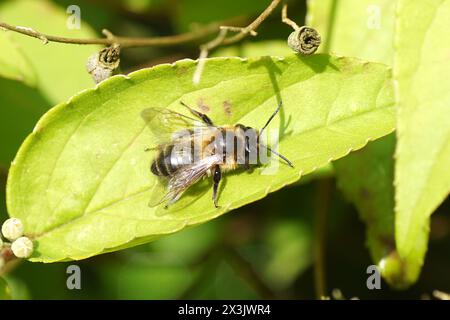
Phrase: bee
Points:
(193, 147)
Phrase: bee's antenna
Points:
(279, 155)
(271, 117)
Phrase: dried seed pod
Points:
(101, 65)
(304, 40)
(12, 229)
(22, 247)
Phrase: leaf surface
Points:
(5, 292)
(81, 182)
(365, 28)
(360, 28)
(60, 68)
(13, 63)
(423, 151)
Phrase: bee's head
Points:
(250, 137)
(245, 129)
(254, 147)
(249, 132)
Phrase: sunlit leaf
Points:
(13, 63)
(422, 176)
(60, 68)
(81, 182)
(365, 28)
(55, 71)
(360, 28)
(266, 48)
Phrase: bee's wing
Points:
(167, 125)
(184, 178)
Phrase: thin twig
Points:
(285, 19)
(122, 41)
(9, 259)
(222, 39)
(323, 198)
(254, 25)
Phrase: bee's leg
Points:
(200, 115)
(217, 176)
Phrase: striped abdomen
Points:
(167, 162)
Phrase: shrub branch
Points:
(122, 41)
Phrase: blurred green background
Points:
(263, 250)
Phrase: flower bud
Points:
(22, 247)
(12, 229)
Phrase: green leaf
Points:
(365, 28)
(16, 287)
(422, 175)
(366, 179)
(269, 48)
(227, 282)
(81, 182)
(288, 244)
(140, 280)
(60, 68)
(360, 28)
(13, 63)
(5, 293)
(141, 6)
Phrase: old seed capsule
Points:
(22, 247)
(305, 40)
(101, 65)
(12, 229)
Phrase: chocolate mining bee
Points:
(193, 147)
